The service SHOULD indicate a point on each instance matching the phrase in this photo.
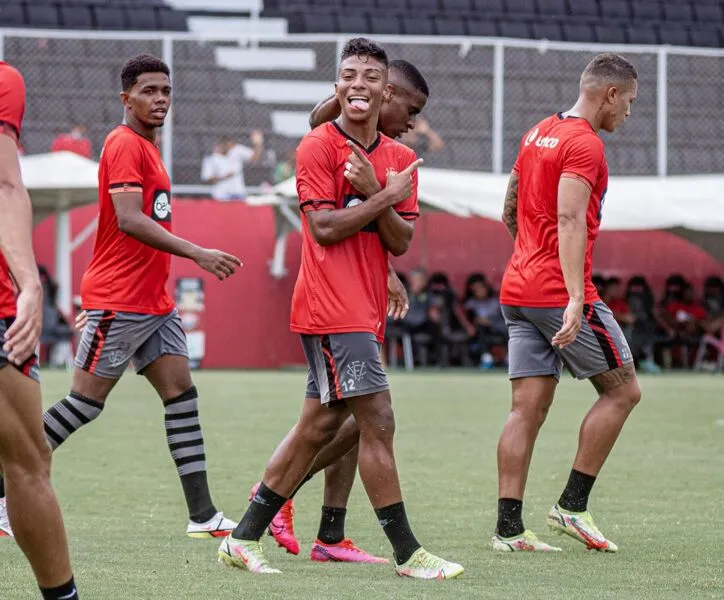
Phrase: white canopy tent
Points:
(689, 206)
(58, 182)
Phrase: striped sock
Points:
(67, 416)
(186, 443)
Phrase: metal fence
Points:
(485, 93)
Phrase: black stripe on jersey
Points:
(120, 186)
(11, 127)
(349, 137)
(318, 203)
(408, 214)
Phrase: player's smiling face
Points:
(149, 99)
(362, 80)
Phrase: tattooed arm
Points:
(510, 208)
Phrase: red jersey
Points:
(619, 306)
(124, 273)
(682, 311)
(556, 147)
(343, 287)
(12, 107)
(79, 145)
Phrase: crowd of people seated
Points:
(447, 328)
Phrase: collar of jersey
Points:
(562, 118)
(369, 150)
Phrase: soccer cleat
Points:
(282, 526)
(580, 526)
(423, 565)
(217, 526)
(344, 551)
(245, 554)
(525, 542)
(5, 529)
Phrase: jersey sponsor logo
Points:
(162, 206)
(541, 142)
(351, 200)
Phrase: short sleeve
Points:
(409, 208)
(207, 168)
(243, 153)
(316, 185)
(123, 156)
(582, 159)
(516, 166)
(12, 101)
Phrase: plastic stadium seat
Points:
(12, 15)
(615, 9)
(143, 19)
(385, 25)
(583, 8)
(43, 16)
(488, 8)
(109, 17)
(426, 6)
(76, 17)
(417, 26)
(640, 34)
(515, 29)
(395, 6)
(675, 36)
(643, 10)
(705, 37)
(547, 31)
(708, 13)
(610, 34)
(353, 23)
(457, 6)
(319, 23)
(520, 7)
(577, 32)
(552, 8)
(450, 26)
(483, 28)
(678, 11)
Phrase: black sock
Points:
(393, 520)
(575, 497)
(510, 517)
(66, 591)
(331, 526)
(262, 509)
(307, 477)
(186, 443)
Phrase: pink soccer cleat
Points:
(344, 551)
(282, 525)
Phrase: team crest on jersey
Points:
(161, 210)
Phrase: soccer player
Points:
(553, 211)
(131, 317)
(24, 453)
(404, 98)
(338, 307)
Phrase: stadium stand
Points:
(680, 23)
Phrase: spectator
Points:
(599, 281)
(426, 333)
(612, 295)
(645, 326)
(423, 139)
(224, 169)
(56, 329)
(484, 312)
(285, 168)
(688, 318)
(713, 301)
(446, 310)
(76, 140)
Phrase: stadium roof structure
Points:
(690, 206)
(58, 182)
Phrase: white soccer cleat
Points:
(5, 529)
(216, 527)
(423, 565)
(245, 554)
(525, 542)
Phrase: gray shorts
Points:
(599, 347)
(343, 365)
(30, 367)
(112, 339)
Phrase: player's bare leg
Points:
(25, 456)
(171, 378)
(532, 398)
(343, 442)
(619, 393)
(339, 478)
(92, 386)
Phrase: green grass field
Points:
(659, 497)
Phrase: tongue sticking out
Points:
(359, 104)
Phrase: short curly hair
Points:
(364, 47)
(138, 65)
